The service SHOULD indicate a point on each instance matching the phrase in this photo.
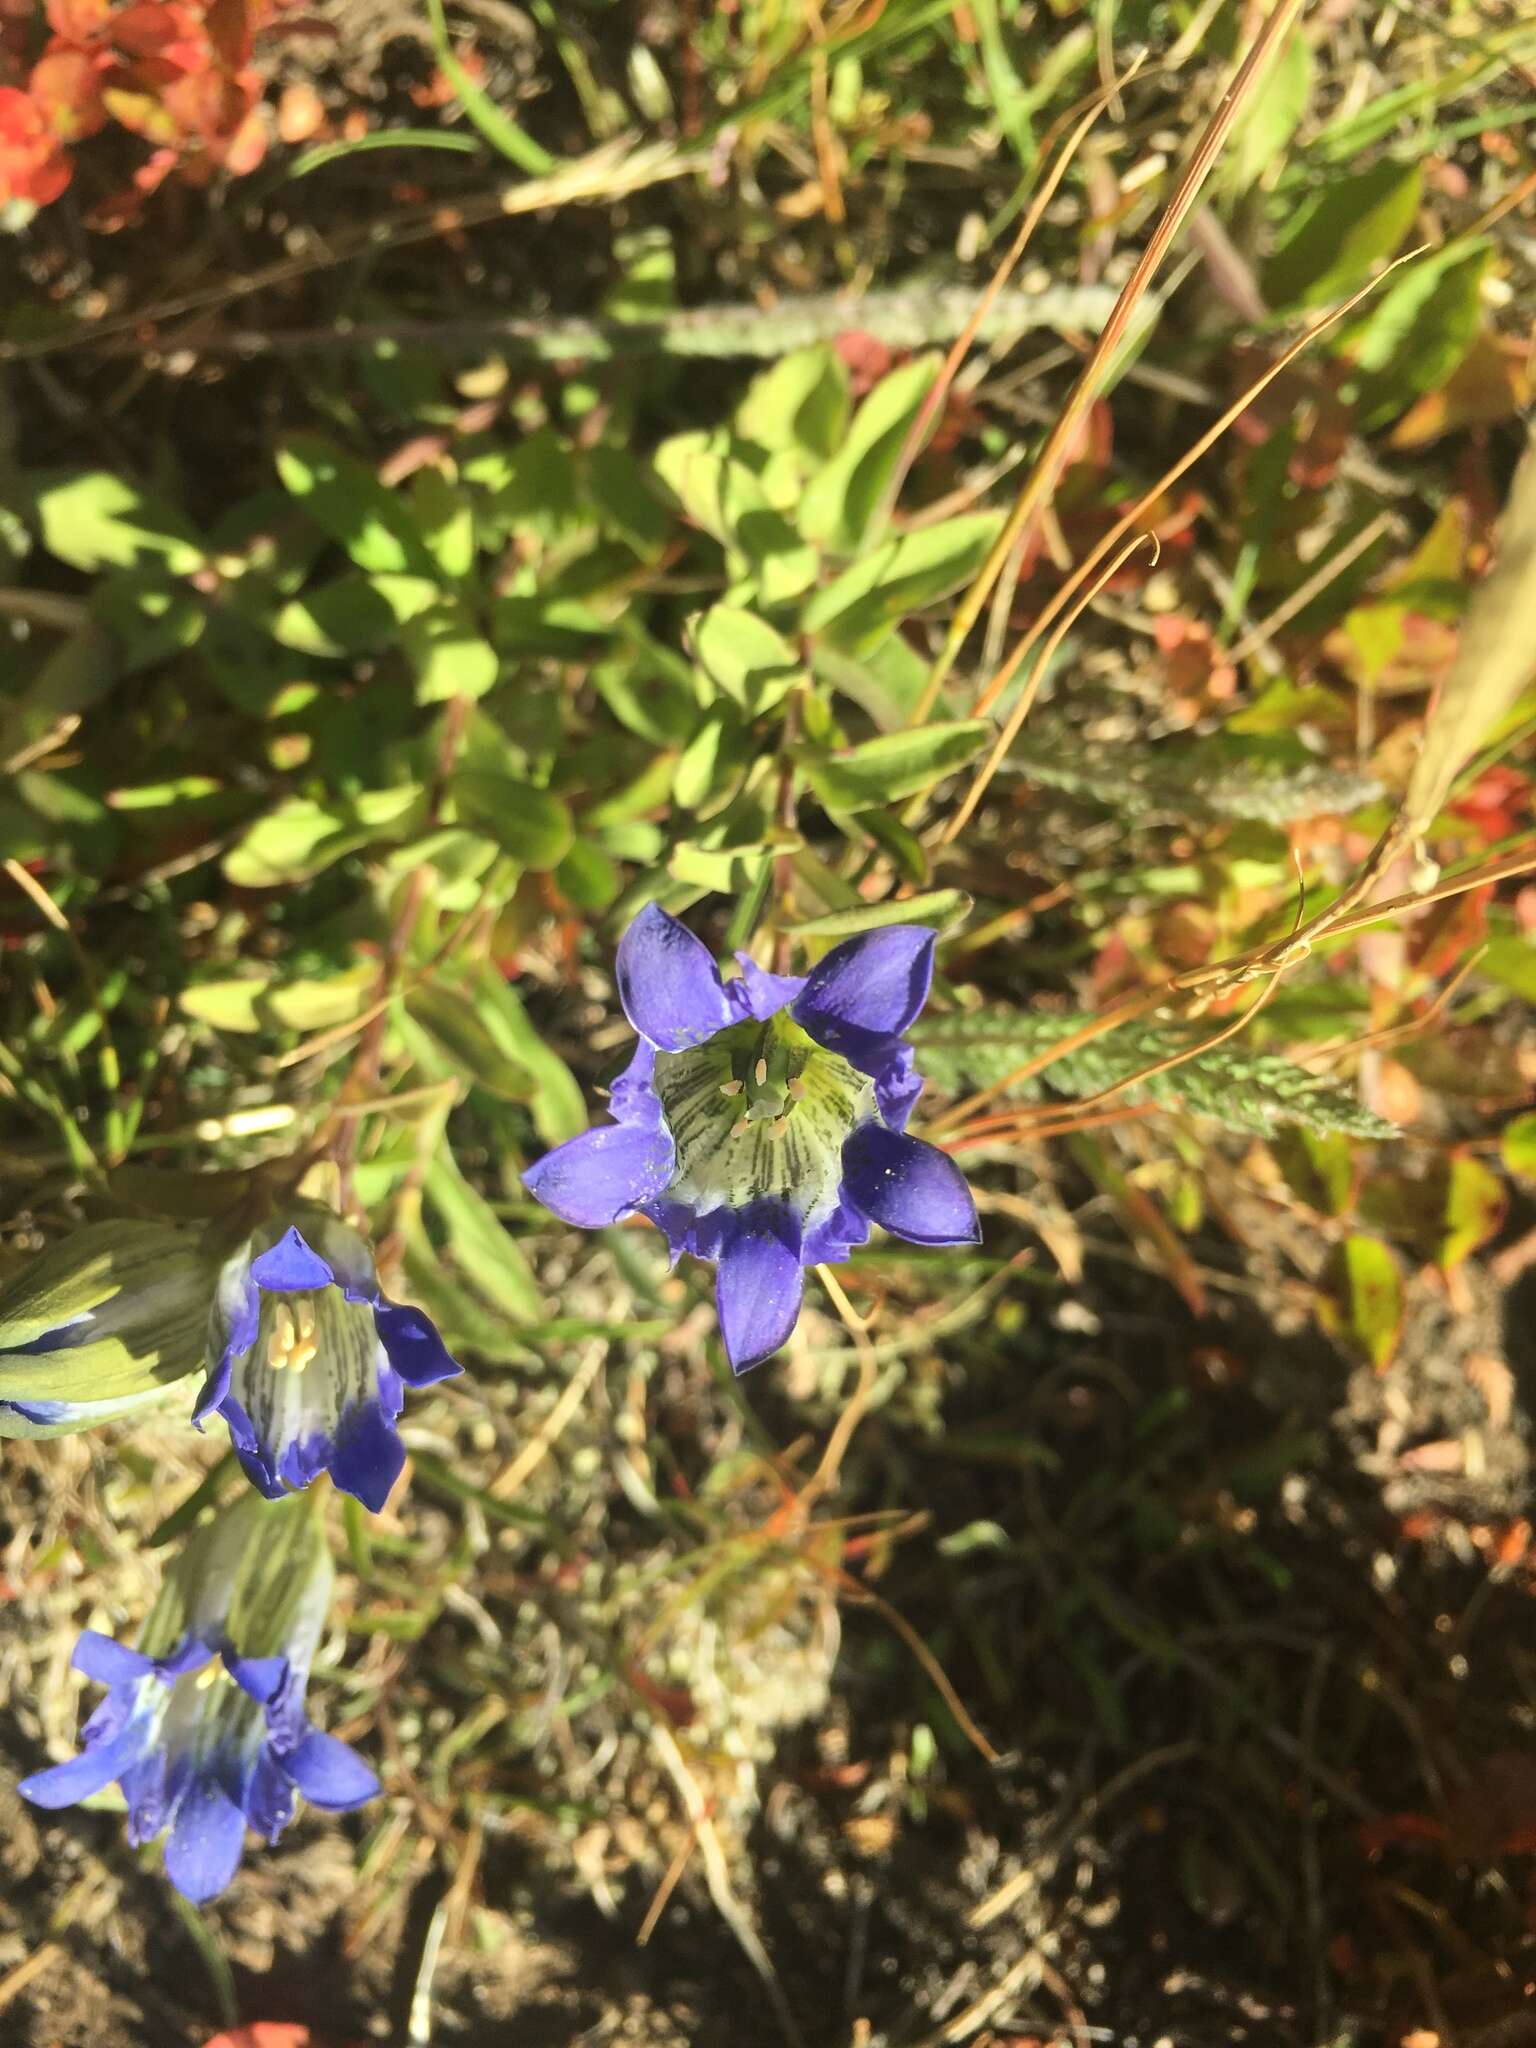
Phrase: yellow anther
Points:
(209, 1675)
(742, 1125)
(795, 1090)
(306, 1321)
(778, 1127)
(303, 1352)
(761, 1070)
(731, 1087)
(277, 1352)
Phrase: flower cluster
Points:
(761, 1123)
(175, 73)
(306, 1361)
(762, 1120)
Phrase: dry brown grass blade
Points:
(1495, 659)
(1170, 477)
(1043, 477)
(918, 431)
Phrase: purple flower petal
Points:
(632, 1098)
(872, 986)
(830, 1241)
(269, 1796)
(760, 1285)
(260, 1677)
(758, 993)
(367, 1456)
(328, 1773)
(595, 1179)
(668, 982)
(67, 1784)
(107, 1661)
(207, 1835)
(412, 1344)
(291, 1267)
(909, 1188)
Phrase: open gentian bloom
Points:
(762, 1121)
(308, 1362)
(204, 1735)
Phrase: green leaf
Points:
(499, 131)
(558, 1107)
(801, 404)
(1271, 117)
(745, 657)
(900, 577)
(227, 1005)
(1340, 234)
(382, 138)
(589, 878)
(1361, 1300)
(489, 1257)
(346, 500)
(711, 761)
(451, 1020)
(450, 656)
(1417, 332)
(302, 836)
(528, 823)
(1474, 1208)
(1517, 1147)
(443, 514)
(1319, 1168)
(941, 908)
(896, 765)
(354, 615)
(621, 494)
(1244, 1089)
(839, 506)
(101, 521)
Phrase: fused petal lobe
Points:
(600, 1176)
(760, 1285)
(668, 982)
(290, 1266)
(328, 1773)
(202, 1853)
(367, 1456)
(909, 1188)
(872, 986)
(412, 1343)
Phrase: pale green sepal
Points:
(129, 1301)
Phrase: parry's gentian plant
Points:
(203, 1725)
(762, 1121)
(308, 1361)
(104, 1323)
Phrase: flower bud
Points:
(104, 1322)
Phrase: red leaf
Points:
(78, 21)
(65, 87)
(266, 2034)
(32, 161)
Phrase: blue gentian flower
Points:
(762, 1121)
(204, 1735)
(308, 1361)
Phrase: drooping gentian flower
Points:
(762, 1121)
(308, 1362)
(203, 1725)
(103, 1323)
